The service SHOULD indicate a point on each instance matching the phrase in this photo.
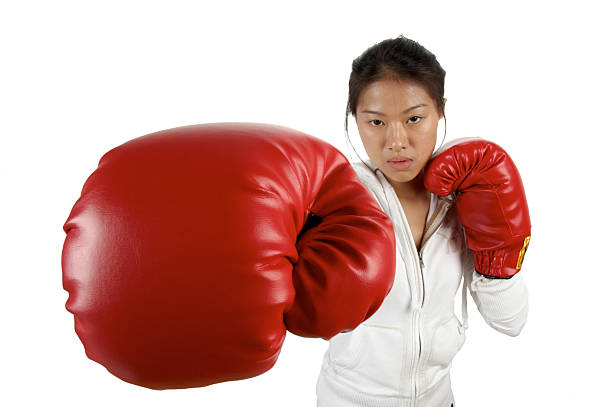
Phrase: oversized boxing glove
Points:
(490, 200)
(192, 250)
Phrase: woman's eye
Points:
(417, 117)
(413, 119)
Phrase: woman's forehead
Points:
(393, 95)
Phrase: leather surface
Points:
(191, 250)
(491, 202)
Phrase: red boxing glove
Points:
(490, 199)
(192, 250)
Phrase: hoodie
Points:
(401, 355)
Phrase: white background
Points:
(78, 78)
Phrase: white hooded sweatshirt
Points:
(401, 355)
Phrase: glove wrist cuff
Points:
(501, 263)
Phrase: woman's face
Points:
(398, 119)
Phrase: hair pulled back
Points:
(399, 59)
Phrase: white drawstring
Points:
(467, 279)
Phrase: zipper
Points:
(436, 220)
(433, 219)
(438, 215)
(430, 228)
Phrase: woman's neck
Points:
(411, 190)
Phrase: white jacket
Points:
(401, 355)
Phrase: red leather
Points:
(192, 250)
(490, 200)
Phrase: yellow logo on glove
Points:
(522, 252)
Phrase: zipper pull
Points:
(421, 260)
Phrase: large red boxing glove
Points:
(490, 200)
(192, 250)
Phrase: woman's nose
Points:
(397, 139)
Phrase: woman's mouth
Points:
(400, 165)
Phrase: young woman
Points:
(401, 355)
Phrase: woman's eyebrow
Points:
(405, 111)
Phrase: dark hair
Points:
(400, 59)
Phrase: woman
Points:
(401, 355)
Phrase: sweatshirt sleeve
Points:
(503, 303)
